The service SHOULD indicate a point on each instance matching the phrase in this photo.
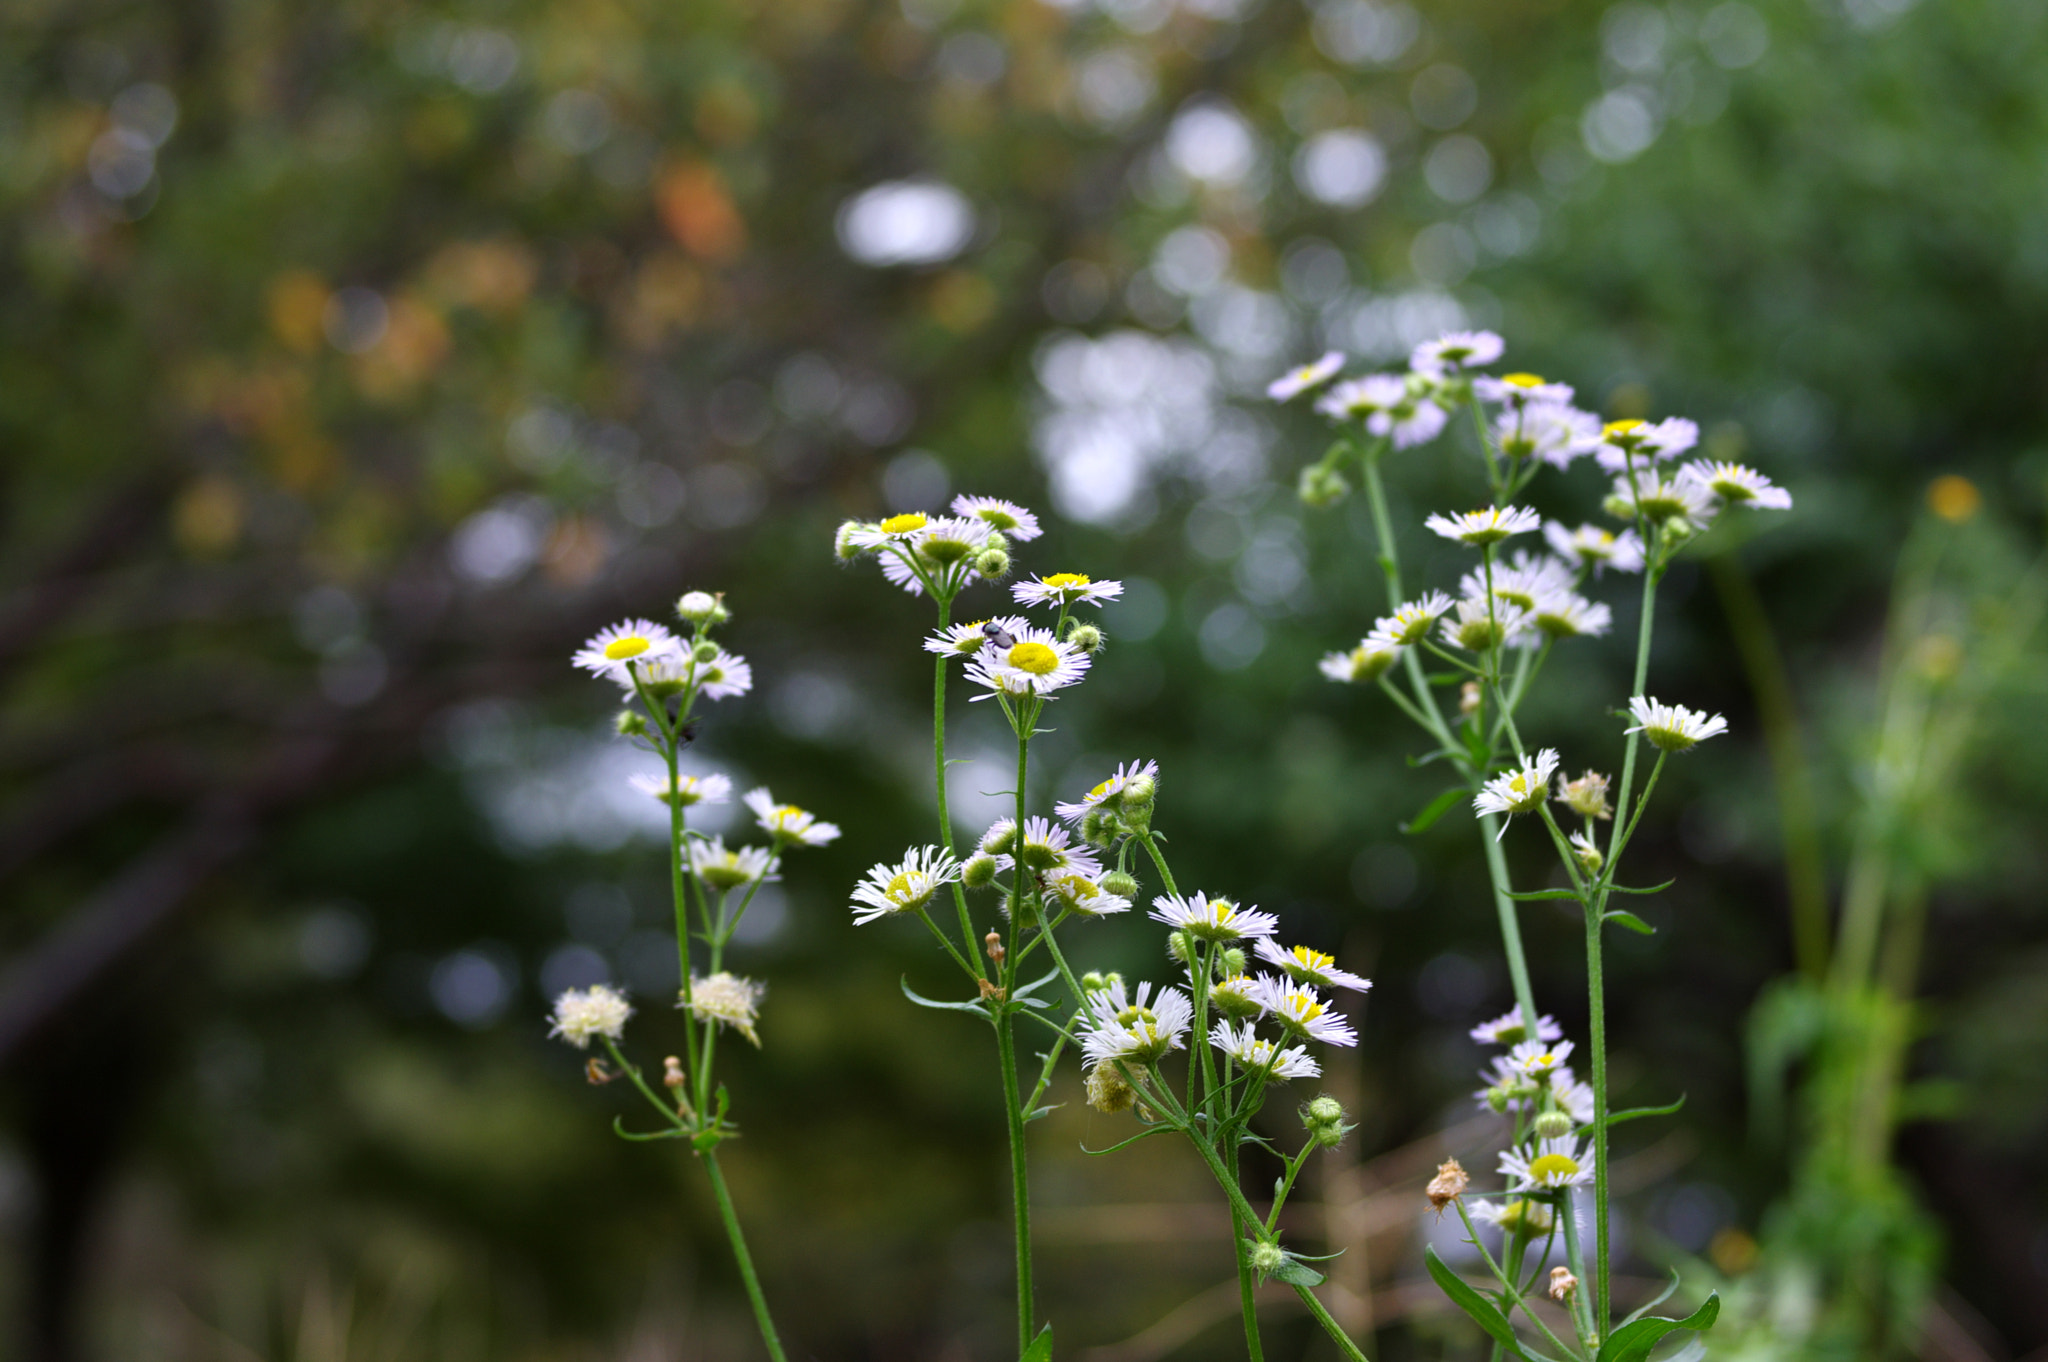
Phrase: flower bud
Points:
(1095, 981)
(1106, 1089)
(1087, 637)
(1123, 885)
(979, 872)
(1619, 505)
(992, 564)
(1265, 1257)
(1140, 790)
(1180, 947)
(1001, 838)
(1498, 1097)
(1468, 694)
(631, 723)
(1323, 1118)
(1321, 487)
(705, 651)
(1554, 1125)
(1673, 533)
(1230, 962)
(1586, 796)
(1562, 1283)
(1447, 1186)
(702, 608)
(672, 1072)
(996, 541)
(1097, 829)
(844, 548)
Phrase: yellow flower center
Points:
(899, 888)
(1302, 1009)
(1552, 1166)
(1522, 380)
(1628, 427)
(1100, 790)
(905, 523)
(631, 645)
(1035, 658)
(1313, 960)
(1131, 1016)
(1062, 580)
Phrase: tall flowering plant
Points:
(1491, 641)
(661, 676)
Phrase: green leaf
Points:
(1647, 1306)
(1435, 809)
(923, 1001)
(1025, 992)
(1653, 889)
(1144, 1134)
(1296, 1273)
(619, 1129)
(1482, 1310)
(1630, 921)
(1041, 1347)
(1632, 1342)
(1615, 1118)
(1042, 1112)
(1534, 895)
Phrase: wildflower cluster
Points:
(1512, 606)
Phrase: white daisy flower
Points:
(1586, 852)
(723, 869)
(1367, 662)
(1507, 1029)
(1035, 663)
(583, 1014)
(1362, 397)
(1047, 848)
(903, 888)
(727, 1000)
(965, 640)
(1573, 1097)
(1131, 1028)
(1066, 588)
(1456, 352)
(1570, 615)
(1306, 965)
(1553, 432)
(636, 641)
(1737, 485)
(1298, 381)
(687, 790)
(1410, 424)
(1252, 1051)
(1536, 1059)
(787, 823)
(1481, 625)
(1302, 1011)
(1012, 520)
(725, 675)
(1489, 526)
(1521, 790)
(1649, 444)
(1520, 390)
(1233, 996)
(1111, 791)
(1556, 1163)
(1211, 919)
(1525, 581)
(1533, 1218)
(896, 529)
(1410, 622)
(1590, 546)
(1659, 499)
(1673, 728)
(1082, 895)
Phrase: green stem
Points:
(1247, 1283)
(1330, 1326)
(939, 784)
(740, 1255)
(1510, 922)
(1020, 1187)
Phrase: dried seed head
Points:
(1562, 1283)
(1447, 1186)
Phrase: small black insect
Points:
(996, 634)
(687, 734)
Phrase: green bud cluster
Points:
(978, 872)
(1322, 486)
(1323, 1119)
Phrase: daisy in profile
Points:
(1519, 391)
(1528, 1217)
(1007, 517)
(1553, 1164)
(1295, 382)
(727, 1000)
(1481, 624)
(1489, 526)
(637, 642)
(1521, 790)
(1232, 996)
(965, 640)
(1673, 728)
(1047, 848)
(723, 869)
(1251, 1051)
(1574, 1099)
(1306, 965)
(1360, 398)
(787, 823)
(1590, 546)
(1508, 1029)
(1452, 354)
(1410, 622)
(1550, 431)
(1623, 442)
(903, 888)
(895, 529)
(584, 1014)
(1134, 1028)
(1034, 662)
(1525, 581)
(1659, 499)
(1082, 895)
(724, 676)
(1570, 615)
(1131, 776)
(1737, 485)
(1302, 1011)
(1367, 662)
(1539, 1059)
(687, 790)
(1208, 919)
(1066, 589)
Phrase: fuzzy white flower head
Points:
(1570, 615)
(698, 607)
(1006, 516)
(1507, 1029)
(687, 790)
(1035, 662)
(1521, 790)
(787, 823)
(906, 887)
(1590, 546)
(1551, 431)
(1111, 790)
(1529, 1217)
(1489, 526)
(1621, 441)
(1306, 965)
(1536, 1059)
(1252, 1051)
(1362, 397)
(727, 1000)
(1367, 662)
(1210, 919)
(1082, 895)
(1482, 624)
(1737, 485)
(1456, 352)
(1066, 588)
(1520, 390)
(1673, 728)
(965, 640)
(636, 641)
(1135, 1028)
(723, 868)
(1298, 381)
(1554, 1164)
(1410, 622)
(1047, 848)
(1302, 1011)
(583, 1014)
